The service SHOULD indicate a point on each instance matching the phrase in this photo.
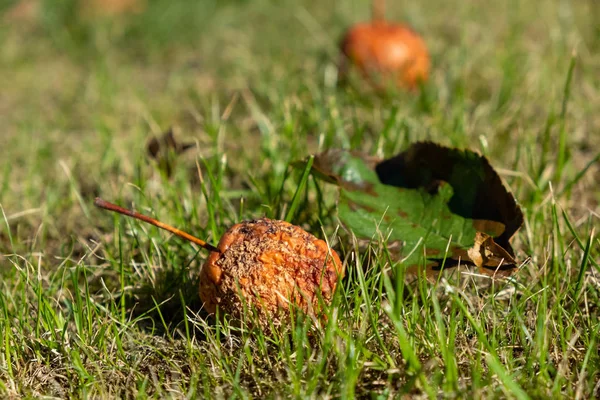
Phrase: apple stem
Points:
(378, 10)
(115, 208)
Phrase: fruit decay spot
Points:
(332, 276)
(403, 214)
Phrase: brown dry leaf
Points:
(490, 257)
(164, 150)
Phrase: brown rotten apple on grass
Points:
(385, 53)
(266, 265)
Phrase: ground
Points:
(97, 305)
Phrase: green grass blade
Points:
(299, 190)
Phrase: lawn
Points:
(97, 305)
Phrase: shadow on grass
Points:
(164, 304)
(166, 309)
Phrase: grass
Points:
(95, 305)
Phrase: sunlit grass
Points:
(94, 304)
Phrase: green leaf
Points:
(418, 219)
(478, 190)
(422, 222)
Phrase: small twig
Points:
(113, 207)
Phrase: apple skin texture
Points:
(269, 265)
(387, 54)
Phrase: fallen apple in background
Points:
(265, 265)
(386, 54)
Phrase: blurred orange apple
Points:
(386, 53)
